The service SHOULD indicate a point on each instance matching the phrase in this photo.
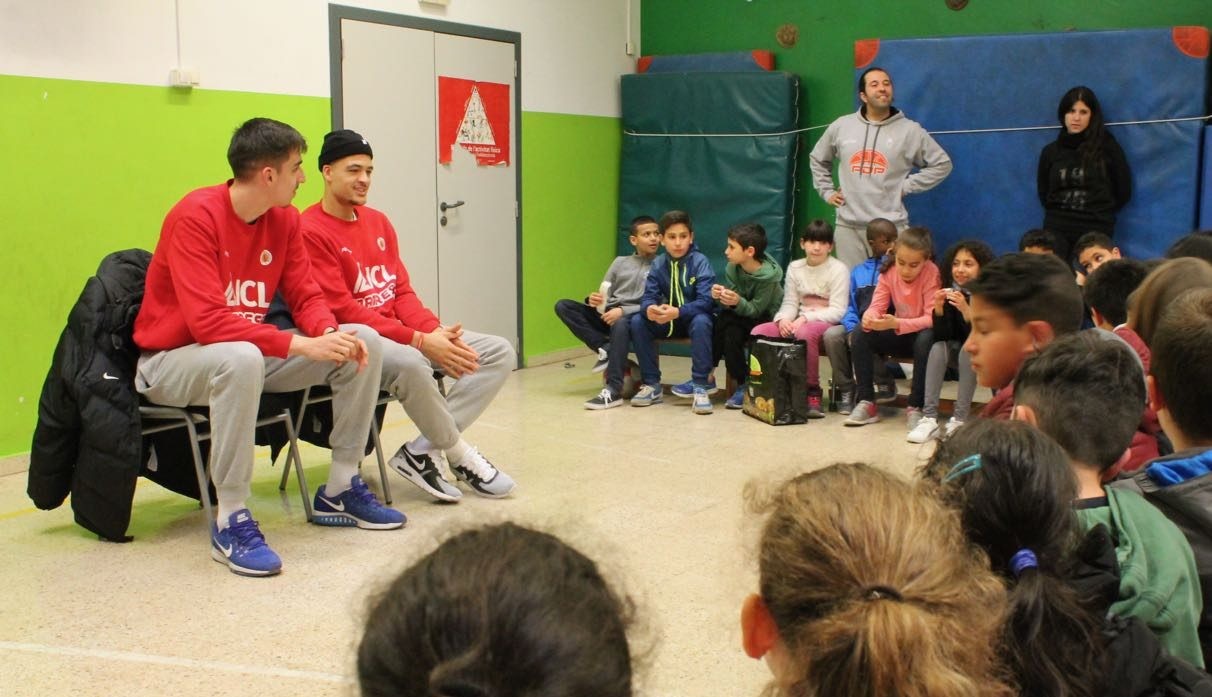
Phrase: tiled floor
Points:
(654, 494)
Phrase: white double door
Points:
(466, 269)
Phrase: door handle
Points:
(444, 206)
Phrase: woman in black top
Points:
(1084, 177)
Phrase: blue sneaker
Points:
(737, 400)
(242, 547)
(356, 506)
(686, 389)
(646, 396)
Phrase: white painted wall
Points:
(572, 50)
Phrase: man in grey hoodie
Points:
(877, 149)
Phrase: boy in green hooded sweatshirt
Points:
(750, 295)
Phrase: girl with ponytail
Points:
(868, 588)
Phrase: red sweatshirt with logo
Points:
(213, 276)
(357, 264)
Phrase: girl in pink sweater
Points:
(908, 286)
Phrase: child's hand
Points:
(883, 323)
(940, 298)
(786, 327)
(596, 299)
(730, 297)
(612, 315)
(716, 291)
(960, 302)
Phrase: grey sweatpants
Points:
(229, 377)
(850, 245)
(936, 370)
(408, 375)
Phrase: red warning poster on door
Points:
(475, 116)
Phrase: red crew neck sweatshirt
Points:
(357, 264)
(213, 275)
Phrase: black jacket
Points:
(88, 438)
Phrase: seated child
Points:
(1106, 291)
(814, 299)
(908, 284)
(1092, 250)
(881, 236)
(1180, 484)
(867, 587)
(1162, 287)
(676, 303)
(491, 610)
(1019, 304)
(607, 332)
(1086, 391)
(1058, 638)
(961, 264)
(749, 295)
(1037, 241)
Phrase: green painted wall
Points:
(93, 168)
(824, 55)
(570, 182)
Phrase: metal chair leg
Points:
(374, 436)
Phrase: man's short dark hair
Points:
(1037, 237)
(1032, 287)
(1092, 239)
(262, 142)
(1088, 392)
(750, 235)
(1182, 362)
(1197, 244)
(639, 220)
(818, 230)
(673, 218)
(1108, 287)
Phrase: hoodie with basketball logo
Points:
(213, 275)
(357, 264)
(876, 163)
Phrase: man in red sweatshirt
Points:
(356, 260)
(223, 252)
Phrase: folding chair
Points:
(318, 394)
(158, 418)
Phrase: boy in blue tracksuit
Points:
(881, 236)
(676, 303)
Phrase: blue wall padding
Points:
(719, 180)
(989, 82)
(1205, 199)
(731, 62)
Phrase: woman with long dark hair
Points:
(1083, 179)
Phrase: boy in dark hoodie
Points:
(1086, 390)
(676, 303)
(1180, 485)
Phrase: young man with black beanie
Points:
(356, 260)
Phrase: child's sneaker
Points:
(926, 428)
(604, 400)
(603, 359)
(814, 408)
(355, 507)
(481, 476)
(913, 415)
(951, 427)
(242, 547)
(685, 390)
(646, 396)
(885, 393)
(864, 413)
(421, 470)
(702, 401)
(737, 400)
(845, 403)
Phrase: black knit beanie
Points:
(342, 143)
